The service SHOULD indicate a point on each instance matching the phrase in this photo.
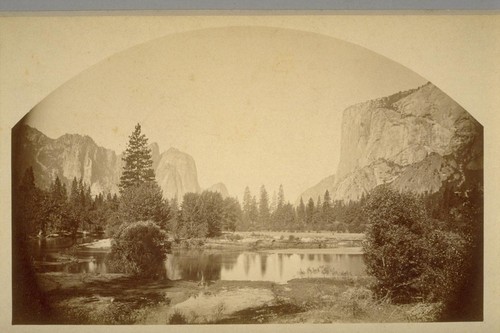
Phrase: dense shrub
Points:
(409, 255)
(138, 248)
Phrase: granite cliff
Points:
(176, 174)
(73, 155)
(414, 140)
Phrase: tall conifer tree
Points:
(138, 160)
(263, 207)
(301, 211)
(281, 198)
(310, 211)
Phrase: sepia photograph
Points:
(201, 170)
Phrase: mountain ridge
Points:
(76, 155)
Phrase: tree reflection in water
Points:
(193, 265)
(258, 266)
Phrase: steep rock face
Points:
(73, 155)
(427, 175)
(176, 174)
(67, 157)
(414, 140)
(363, 180)
(220, 188)
(411, 132)
(318, 190)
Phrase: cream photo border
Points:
(458, 52)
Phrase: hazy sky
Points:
(251, 105)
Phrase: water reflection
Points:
(195, 265)
(253, 266)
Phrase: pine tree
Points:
(57, 205)
(74, 213)
(138, 166)
(73, 195)
(301, 212)
(274, 203)
(289, 217)
(254, 211)
(247, 207)
(318, 205)
(310, 211)
(327, 207)
(263, 207)
(279, 216)
(281, 198)
(58, 191)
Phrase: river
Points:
(277, 266)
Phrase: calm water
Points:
(277, 266)
(47, 254)
(261, 266)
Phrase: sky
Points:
(253, 106)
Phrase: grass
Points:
(118, 299)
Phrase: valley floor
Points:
(118, 299)
(92, 298)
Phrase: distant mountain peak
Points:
(219, 188)
(75, 155)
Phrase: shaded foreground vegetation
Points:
(117, 299)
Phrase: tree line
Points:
(57, 210)
(197, 215)
(322, 214)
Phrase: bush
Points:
(177, 318)
(407, 253)
(138, 248)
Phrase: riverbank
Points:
(119, 299)
(260, 241)
(335, 296)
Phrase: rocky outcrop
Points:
(73, 155)
(363, 180)
(176, 174)
(318, 190)
(69, 156)
(427, 175)
(414, 140)
(219, 188)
